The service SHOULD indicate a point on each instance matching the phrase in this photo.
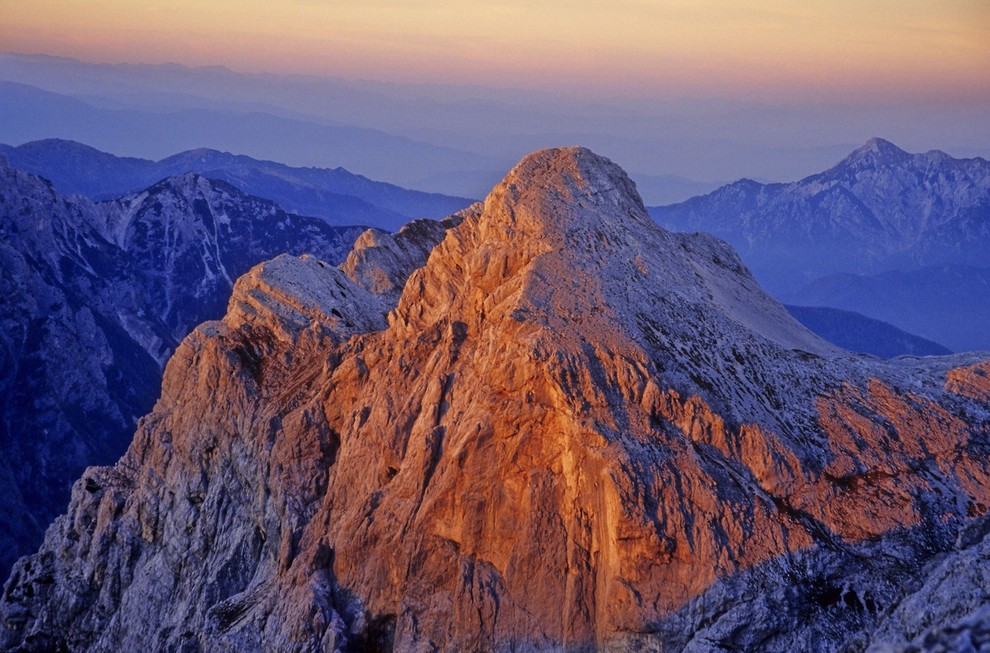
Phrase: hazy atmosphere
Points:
(685, 95)
(422, 325)
(873, 49)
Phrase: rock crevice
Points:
(573, 429)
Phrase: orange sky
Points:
(930, 48)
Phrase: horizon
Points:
(920, 51)
(686, 96)
(319, 333)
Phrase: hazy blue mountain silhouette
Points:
(336, 195)
(908, 235)
(949, 304)
(857, 332)
(878, 209)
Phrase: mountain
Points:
(856, 332)
(657, 133)
(28, 113)
(570, 429)
(77, 169)
(95, 298)
(336, 195)
(879, 209)
(947, 303)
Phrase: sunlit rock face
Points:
(570, 429)
(95, 298)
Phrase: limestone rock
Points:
(381, 262)
(95, 298)
(573, 430)
(290, 293)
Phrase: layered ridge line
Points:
(571, 429)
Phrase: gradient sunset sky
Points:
(921, 49)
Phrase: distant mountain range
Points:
(946, 303)
(341, 198)
(336, 195)
(905, 226)
(856, 332)
(553, 426)
(28, 113)
(451, 139)
(95, 297)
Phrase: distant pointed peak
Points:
(878, 149)
(881, 145)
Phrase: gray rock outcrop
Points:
(572, 430)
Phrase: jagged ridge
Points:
(96, 298)
(879, 209)
(338, 196)
(572, 427)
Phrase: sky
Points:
(917, 50)
(707, 91)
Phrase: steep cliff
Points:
(571, 429)
(95, 297)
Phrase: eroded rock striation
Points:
(571, 429)
(95, 298)
(381, 262)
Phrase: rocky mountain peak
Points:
(381, 262)
(561, 218)
(95, 298)
(876, 151)
(554, 191)
(575, 430)
(562, 253)
(877, 210)
(289, 293)
(185, 183)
